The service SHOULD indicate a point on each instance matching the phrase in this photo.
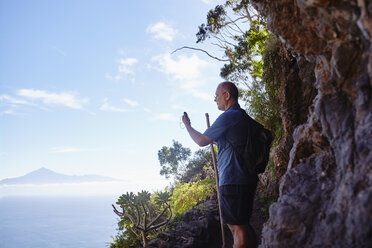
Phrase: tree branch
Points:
(124, 215)
(164, 222)
(148, 210)
(198, 49)
(159, 215)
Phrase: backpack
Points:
(254, 155)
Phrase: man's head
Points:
(226, 95)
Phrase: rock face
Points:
(326, 192)
(199, 227)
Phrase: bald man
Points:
(237, 188)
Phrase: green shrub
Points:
(186, 195)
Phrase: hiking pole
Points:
(214, 160)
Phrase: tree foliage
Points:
(172, 160)
(176, 161)
(186, 195)
(241, 32)
(198, 167)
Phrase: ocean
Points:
(57, 221)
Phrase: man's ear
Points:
(228, 96)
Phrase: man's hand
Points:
(198, 137)
(186, 119)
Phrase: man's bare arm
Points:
(198, 137)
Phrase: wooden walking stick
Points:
(214, 160)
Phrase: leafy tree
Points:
(241, 32)
(172, 160)
(175, 161)
(199, 167)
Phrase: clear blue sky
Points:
(91, 87)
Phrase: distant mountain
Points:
(46, 176)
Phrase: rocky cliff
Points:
(200, 228)
(326, 192)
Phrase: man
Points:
(237, 189)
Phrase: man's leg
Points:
(244, 236)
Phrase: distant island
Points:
(46, 176)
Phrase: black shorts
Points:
(236, 202)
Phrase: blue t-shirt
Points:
(228, 164)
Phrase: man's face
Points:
(219, 98)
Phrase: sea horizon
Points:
(57, 221)
(62, 215)
(114, 188)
